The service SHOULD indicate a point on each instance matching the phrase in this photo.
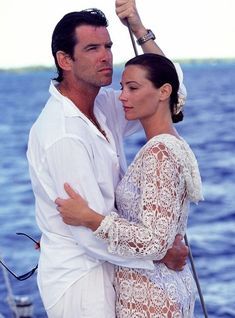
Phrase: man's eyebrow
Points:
(110, 43)
(91, 44)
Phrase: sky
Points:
(184, 29)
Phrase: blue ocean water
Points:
(208, 126)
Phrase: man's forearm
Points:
(149, 46)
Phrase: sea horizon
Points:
(193, 61)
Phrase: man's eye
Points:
(91, 48)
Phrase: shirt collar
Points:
(70, 110)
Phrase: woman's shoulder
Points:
(168, 147)
(164, 142)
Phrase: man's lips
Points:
(106, 69)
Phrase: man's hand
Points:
(176, 256)
(126, 10)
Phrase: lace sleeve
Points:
(159, 204)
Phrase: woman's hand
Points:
(75, 210)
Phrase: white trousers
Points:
(92, 296)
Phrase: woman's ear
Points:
(165, 91)
(64, 60)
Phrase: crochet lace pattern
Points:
(153, 202)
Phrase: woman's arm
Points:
(155, 234)
(160, 205)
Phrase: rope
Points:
(196, 278)
(185, 238)
(132, 38)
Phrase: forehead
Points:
(87, 34)
(135, 71)
(136, 74)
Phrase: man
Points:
(78, 138)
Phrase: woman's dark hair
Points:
(63, 37)
(160, 70)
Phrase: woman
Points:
(152, 198)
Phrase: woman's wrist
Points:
(93, 220)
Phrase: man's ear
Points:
(165, 91)
(64, 60)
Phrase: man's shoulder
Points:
(49, 124)
(49, 113)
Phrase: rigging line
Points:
(132, 38)
(196, 278)
(185, 237)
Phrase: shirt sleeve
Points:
(160, 206)
(69, 160)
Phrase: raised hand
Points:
(126, 10)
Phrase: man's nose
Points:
(106, 55)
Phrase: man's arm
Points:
(126, 10)
(175, 257)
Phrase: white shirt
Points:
(64, 146)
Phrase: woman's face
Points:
(139, 97)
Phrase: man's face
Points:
(93, 60)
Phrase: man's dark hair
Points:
(63, 37)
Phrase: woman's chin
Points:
(129, 117)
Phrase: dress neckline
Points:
(166, 135)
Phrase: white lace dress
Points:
(153, 202)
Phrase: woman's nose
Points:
(122, 96)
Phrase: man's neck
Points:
(83, 101)
(82, 97)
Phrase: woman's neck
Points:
(158, 125)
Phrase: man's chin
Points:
(107, 83)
